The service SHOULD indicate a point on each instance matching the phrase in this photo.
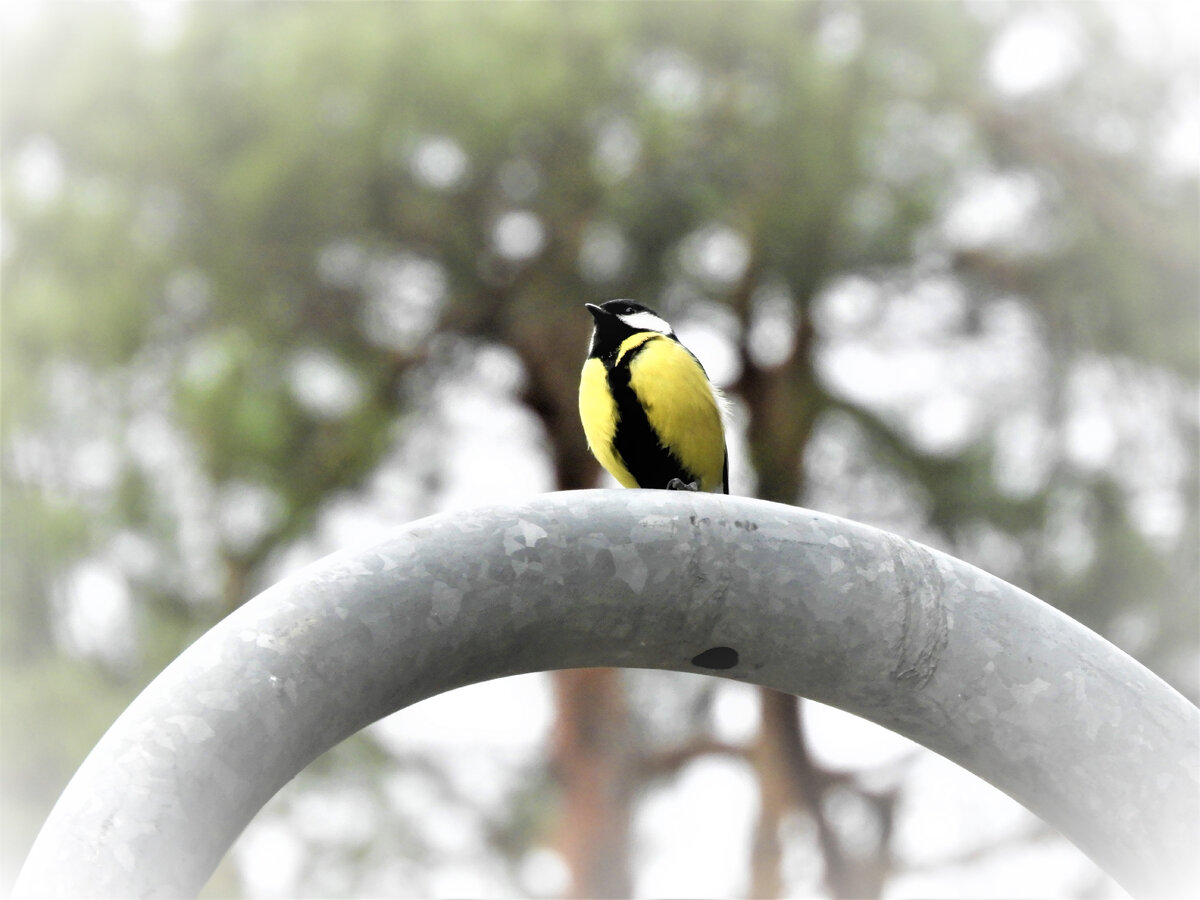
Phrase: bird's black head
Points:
(623, 308)
(618, 319)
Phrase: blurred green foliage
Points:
(242, 245)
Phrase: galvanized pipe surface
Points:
(774, 595)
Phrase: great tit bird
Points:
(651, 416)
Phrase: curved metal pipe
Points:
(915, 640)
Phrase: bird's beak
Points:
(596, 311)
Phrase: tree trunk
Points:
(776, 796)
(593, 761)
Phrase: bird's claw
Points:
(678, 484)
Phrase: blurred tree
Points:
(247, 248)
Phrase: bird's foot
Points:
(678, 484)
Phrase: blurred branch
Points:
(668, 762)
(955, 489)
(1097, 184)
(800, 781)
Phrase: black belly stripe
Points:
(636, 441)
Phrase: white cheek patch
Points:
(647, 321)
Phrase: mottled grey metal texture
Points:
(917, 641)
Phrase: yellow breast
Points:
(681, 407)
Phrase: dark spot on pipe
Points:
(716, 658)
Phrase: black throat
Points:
(607, 335)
